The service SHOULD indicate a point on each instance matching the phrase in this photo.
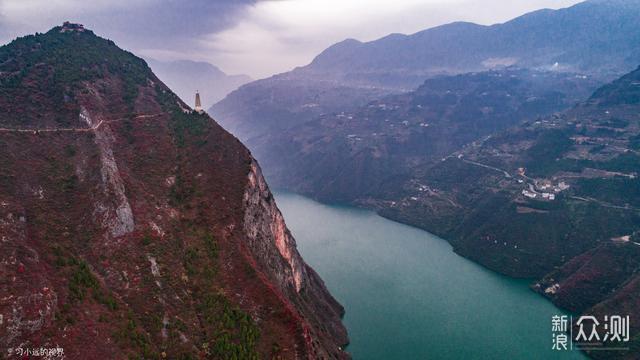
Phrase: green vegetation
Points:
(81, 281)
(197, 265)
(190, 257)
(72, 58)
(234, 333)
(70, 150)
(211, 245)
(130, 334)
(146, 238)
(625, 163)
(543, 157)
(230, 333)
(189, 127)
(181, 191)
(69, 183)
(619, 190)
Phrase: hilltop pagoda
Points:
(198, 106)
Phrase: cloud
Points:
(275, 36)
(250, 36)
(135, 24)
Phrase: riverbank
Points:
(407, 295)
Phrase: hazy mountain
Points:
(378, 150)
(185, 77)
(591, 148)
(267, 107)
(133, 227)
(598, 38)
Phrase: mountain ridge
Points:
(114, 241)
(493, 40)
(375, 150)
(596, 39)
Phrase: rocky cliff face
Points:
(267, 235)
(131, 226)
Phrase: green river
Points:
(407, 295)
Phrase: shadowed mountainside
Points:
(378, 150)
(134, 227)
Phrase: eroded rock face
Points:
(117, 217)
(265, 227)
(275, 251)
(133, 227)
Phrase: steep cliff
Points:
(264, 227)
(131, 226)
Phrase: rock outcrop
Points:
(267, 235)
(131, 226)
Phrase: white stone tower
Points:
(198, 107)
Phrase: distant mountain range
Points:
(599, 38)
(185, 77)
(595, 37)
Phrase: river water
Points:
(407, 295)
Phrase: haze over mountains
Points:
(185, 77)
(597, 37)
(378, 149)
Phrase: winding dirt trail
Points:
(92, 128)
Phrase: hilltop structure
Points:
(69, 27)
(198, 107)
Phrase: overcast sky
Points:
(255, 37)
